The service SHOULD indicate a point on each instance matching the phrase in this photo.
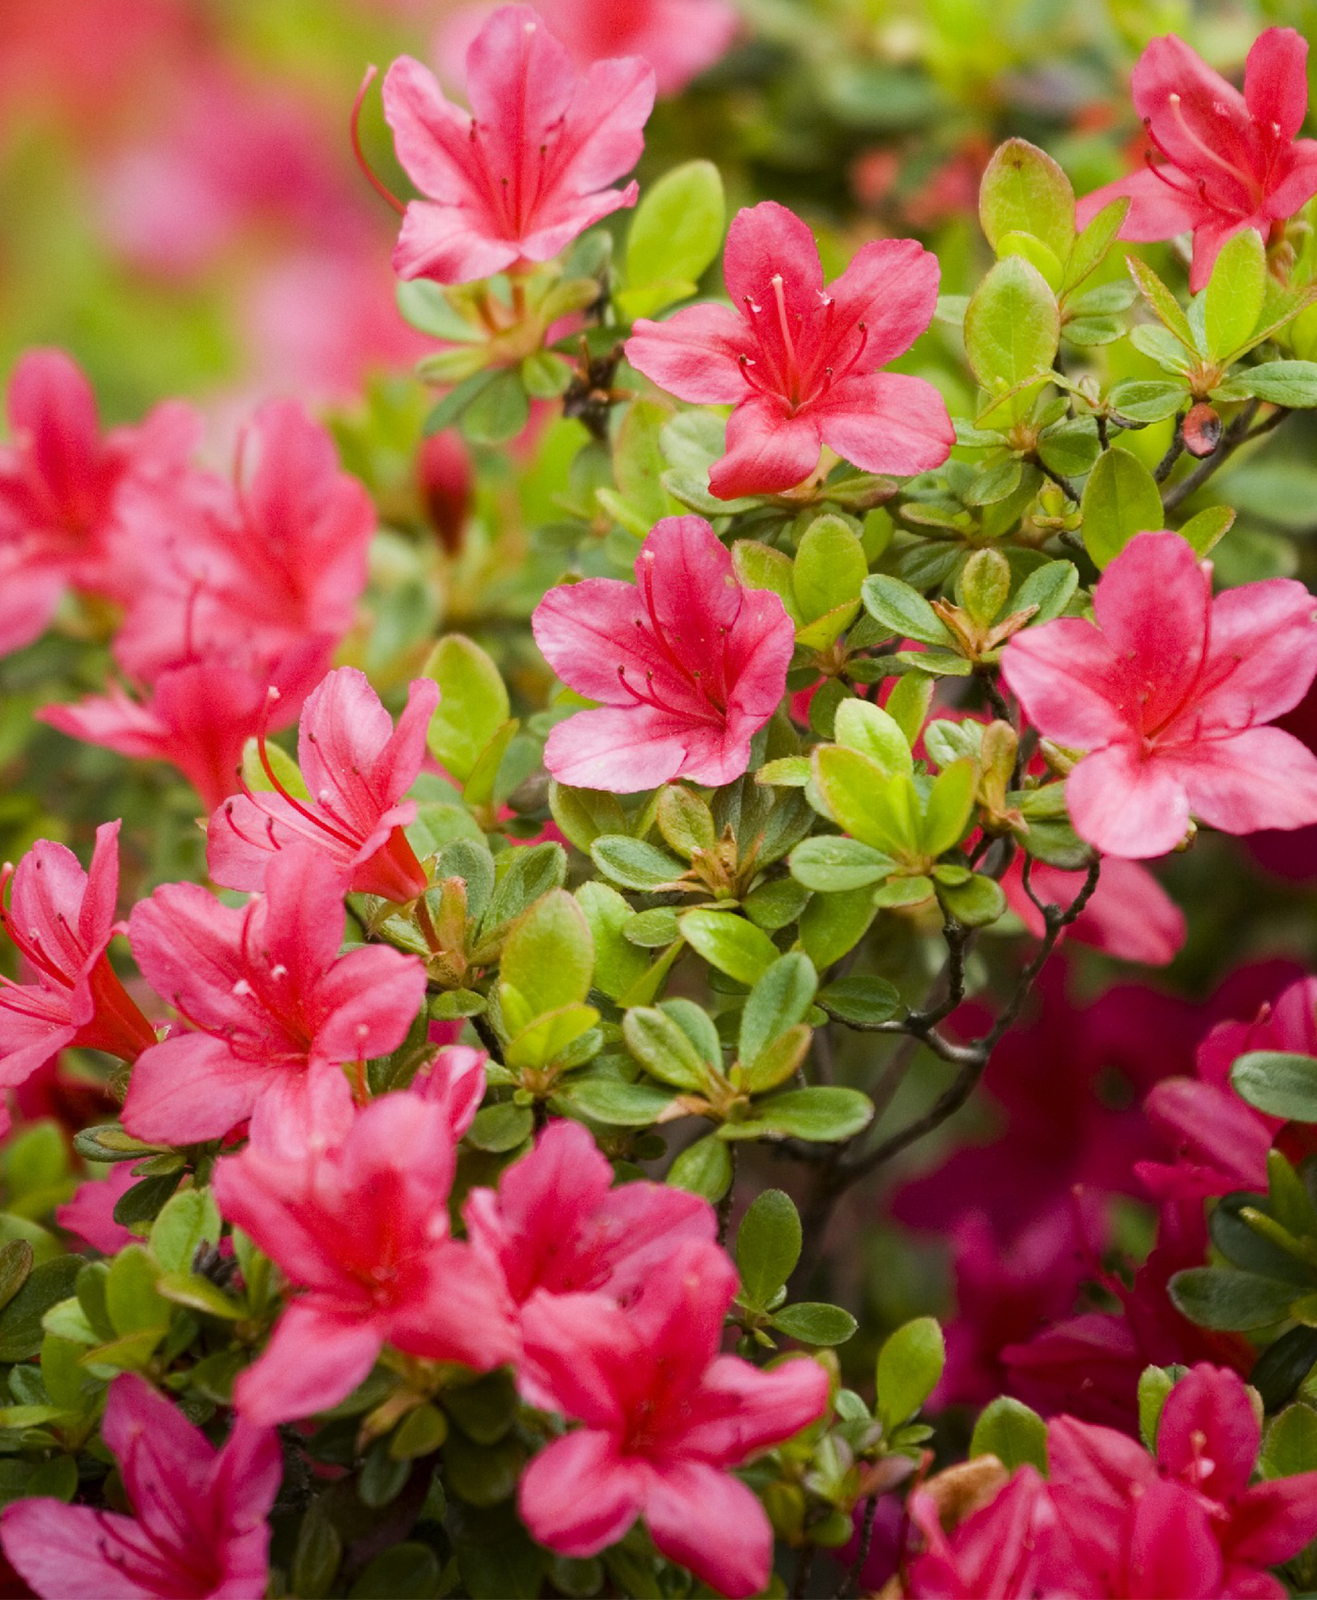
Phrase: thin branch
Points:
(1162, 470)
(1240, 432)
(1059, 479)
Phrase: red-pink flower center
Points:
(685, 684)
(799, 359)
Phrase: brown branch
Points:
(1240, 432)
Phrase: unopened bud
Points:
(1202, 430)
(445, 480)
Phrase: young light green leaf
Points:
(675, 233)
(1120, 499)
(729, 943)
(473, 703)
(1012, 328)
(909, 1366)
(767, 1247)
(861, 725)
(830, 567)
(548, 955)
(1025, 191)
(1235, 292)
(780, 999)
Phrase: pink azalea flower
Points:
(679, 38)
(1130, 915)
(1168, 693)
(65, 489)
(996, 1553)
(361, 1229)
(199, 1527)
(664, 1417)
(1230, 161)
(197, 717)
(526, 172)
(1187, 1523)
(61, 921)
(556, 1225)
(90, 1213)
(688, 665)
(265, 565)
(357, 767)
(455, 1081)
(800, 361)
(1221, 1144)
(269, 1001)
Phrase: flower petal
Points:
(577, 1496)
(1128, 804)
(886, 422)
(694, 354)
(768, 450)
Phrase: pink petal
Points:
(768, 241)
(768, 451)
(1272, 1522)
(1169, 68)
(190, 1088)
(1097, 1462)
(711, 1523)
(432, 138)
(1211, 1125)
(1208, 1419)
(619, 749)
(1164, 642)
(694, 354)
(1128, 804)
(1172, 1548)
(519, 83)
(739, 1410)
(164, 1460)
(1069, 682)
(29, 594)
(1298, 185)
(450, 244)
(1276, 80)
(90, 1212)
(1264, 636)
(558, 221)
(73, 1550)
(188, 946)
(313, 1361)
(603, 134)
(886, 422)
(370, 997)
(585, 631)
(891, 286)
(687, 572)
(466, 1316)
(1262, 778)
(580, 1349)
(52, 408)
(1209, 238)
(1159, 206)
(577, 1496)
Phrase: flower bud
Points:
(444, 477)
(1202, 430)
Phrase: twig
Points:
(724, 1212)
(1162, 470)
(851, 1580)
(1059, 479)
(1240, 432)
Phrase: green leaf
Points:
(1013, 1433)
(832, 924)
(473, 703)
(704, 1167)
(498, 411)
(950, 806)
(1217, 1297)
(1279, 1083)
(639, 465)
(815, 1322)
(1291, 1443)
(908, 704)
(1148, 399)
(829, 863)
(615, 1101)
(665, 1050)
(909, 1366)
(830, 567)
(1120, 499)
(729, 943)
(861, 999)
(675, 233)
(130, 1292)
(781, 998)
(408, 1571)
(585, 814)
(318, 1550)
(198, 1294)
(903, 609)
(1165, 307)
(976, 902)
(618, 961)
(548, 956)
(1281, 383)
(854, 788)
(1207, 528)
(44, 1286)
(820, 1115)
(15, 1264)
(759, 566)
(767, 1247)
(634, 864)
(685, 821)
(861, 725)
(500, 1128)
(1012, 328)
(1025, 191)
(1091, 247)
(1155, 1385)
(1049, 588)
(187, 1221)
(1039, 256)
(454, 404)
(1233, 299)
(778, 1061)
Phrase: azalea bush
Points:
(658, 928)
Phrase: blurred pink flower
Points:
(454, 1081)
(679, 38)
(361, 1228)
(1130, 915)
(688, 665)
(996, 1553)
(664, 1417)
(526, 172)
(1230, 161)
(199, 1527)
(90, 1212)
(1168, 693)
(800, 362)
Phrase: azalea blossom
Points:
(357, 767)
(556, 1224)
(360, 1229)
(679, 38)
(1168, 692)
(800, 361)
(1188, 1522)
(454, 1081)
(67, 490)
(60, 919)
(269, 1002)
(1219, 1143)
(198, 1527)
(995, 1553)
(688, 665)
(527, 170)
(89, 1213)
(1228, 161)
(664, 1416)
